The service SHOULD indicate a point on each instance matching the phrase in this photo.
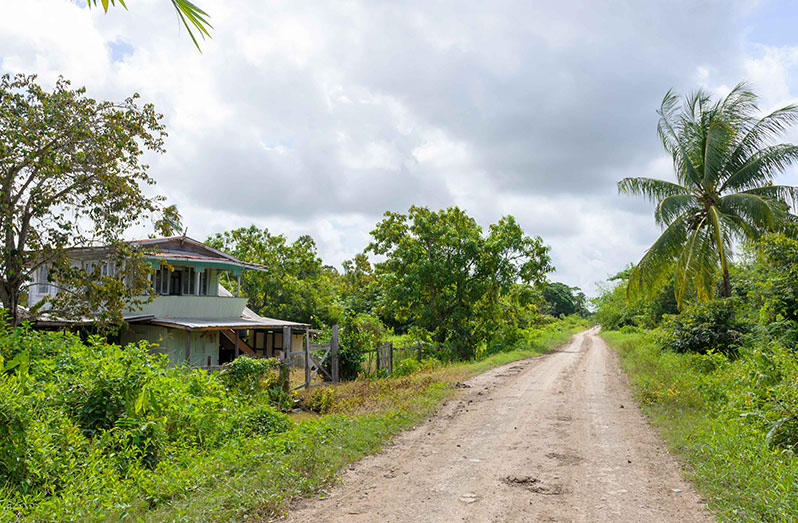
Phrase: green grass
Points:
(713, 413)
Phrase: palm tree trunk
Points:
(713, 212)
(726, 281)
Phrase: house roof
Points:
(185, 249)
(227, 323)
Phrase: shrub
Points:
(406, 366)
(264, 420)
(704, 327)
(250, 375)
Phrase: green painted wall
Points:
(172, 343)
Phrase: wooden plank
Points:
(334, 353)
(188, 346)
(307, 359)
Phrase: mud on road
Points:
(552, 438)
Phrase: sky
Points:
(316, 118)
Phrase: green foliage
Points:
(265, 420)
(705, 327)
(250, 375)
(615, 308)
(444, 275)
(296, 286)
(359, 333)
(562, 300)
(725, 162)
(57, 196)
(189, 13)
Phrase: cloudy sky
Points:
(315, 118)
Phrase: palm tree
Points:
(725, 159)
(188, 12)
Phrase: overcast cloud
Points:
(316, 118)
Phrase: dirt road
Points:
(552, 438)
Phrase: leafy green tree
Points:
(189, 13)
(297, 286)
(444, 275)
(725, 160)
(360, 290)
(563, 300)
(169, 223)
(71, 177)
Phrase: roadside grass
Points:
(712, 412)
(257, 480)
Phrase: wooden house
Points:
(192, 319)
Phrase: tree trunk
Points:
(726, 282)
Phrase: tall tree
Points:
(443, 274)
(725, 159)
(71, 176)
(296, 286)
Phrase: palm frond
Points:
(761, 133)
(761, 168)
(674, 205)
(650, 188)
(757, 212)
(696, 265)
(654, 268)
(188, 12)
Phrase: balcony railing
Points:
(198, 307)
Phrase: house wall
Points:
(172, 342)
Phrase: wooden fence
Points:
(314, 356)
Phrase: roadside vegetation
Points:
(96, 432)
(709, 340)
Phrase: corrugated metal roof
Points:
(227, 323)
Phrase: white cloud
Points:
(315, 119)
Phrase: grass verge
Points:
(257, 480)
(710, 411)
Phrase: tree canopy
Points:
(725, 159)
(72, 176)
(296, 286)
(441, 273)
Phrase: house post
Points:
(197, 271)
(238, 350)
(238, 285)
(307, 358)
(334, 353)
(286, 343)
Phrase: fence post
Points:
(418, 352)
(284, 376)
(307, 358)
(334, 353)
(390, 358)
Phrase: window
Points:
(108, 269)
(189, 280)
(160, 281)
(203, 282)
(42, 278)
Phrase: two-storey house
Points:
(193, 319)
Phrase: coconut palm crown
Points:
(725, 159)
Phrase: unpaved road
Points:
(552, 438)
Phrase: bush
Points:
(265, 420)
(406, 366)
(251, 375)
(705, 327)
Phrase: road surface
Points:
(552, 438)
